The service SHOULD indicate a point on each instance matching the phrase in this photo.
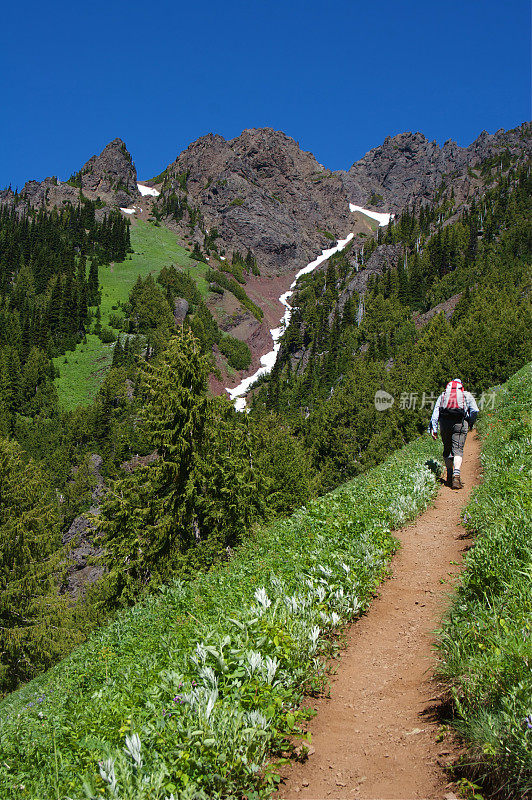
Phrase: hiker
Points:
(456, 412)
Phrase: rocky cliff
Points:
(261, 191)
(111, 176)
(409, 168)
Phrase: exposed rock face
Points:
(111, 176)
(81, 572)
(448, 307)
(262, 192)
(49, 192)
(80, 537)
(180, 310)
(408, 166)
(385, 256)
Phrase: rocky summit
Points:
(261, 192)
(112, 174)
(408, 167)
(111, 177)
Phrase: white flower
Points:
(201, 652)
(314, 636)
(320, 593)
(257, 720)
(262, 598)
(213, 697)
(107, 771)
(255, 661)
(271, 665)
(355, 604)
(133, 745)
(207, 674)
(292, 604)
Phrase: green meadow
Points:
(83, 370)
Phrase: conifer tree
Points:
(35, 622)
(199, 496)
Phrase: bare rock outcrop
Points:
(262, 192)
(408, 167)
(80, 539)
(111, 177)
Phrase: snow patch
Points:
(128, 210)
(147, 190)
(382, 218)
(268, 360)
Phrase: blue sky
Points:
(337, 75)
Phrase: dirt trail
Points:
(375, 737)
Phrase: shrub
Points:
(106, 335)
(237, 353)
(117, 322)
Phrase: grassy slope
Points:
(213, 728)
(154, 248)
(486, 641)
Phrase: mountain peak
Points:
(112, 172)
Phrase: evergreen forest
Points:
(188, 489)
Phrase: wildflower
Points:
(133, 745)
(314, 636)
(292, 604)
(528, 720)
(210, 703)
(271, 668)
(107, 771)
(200, 655)
(207, 674)
(320, 594)
(257, 720)
(262, 598)
(255, 661)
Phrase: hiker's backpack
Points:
(454, 401)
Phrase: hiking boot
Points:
(449, 480)
(457, 483)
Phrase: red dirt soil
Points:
(375, 737)
(265, 292)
